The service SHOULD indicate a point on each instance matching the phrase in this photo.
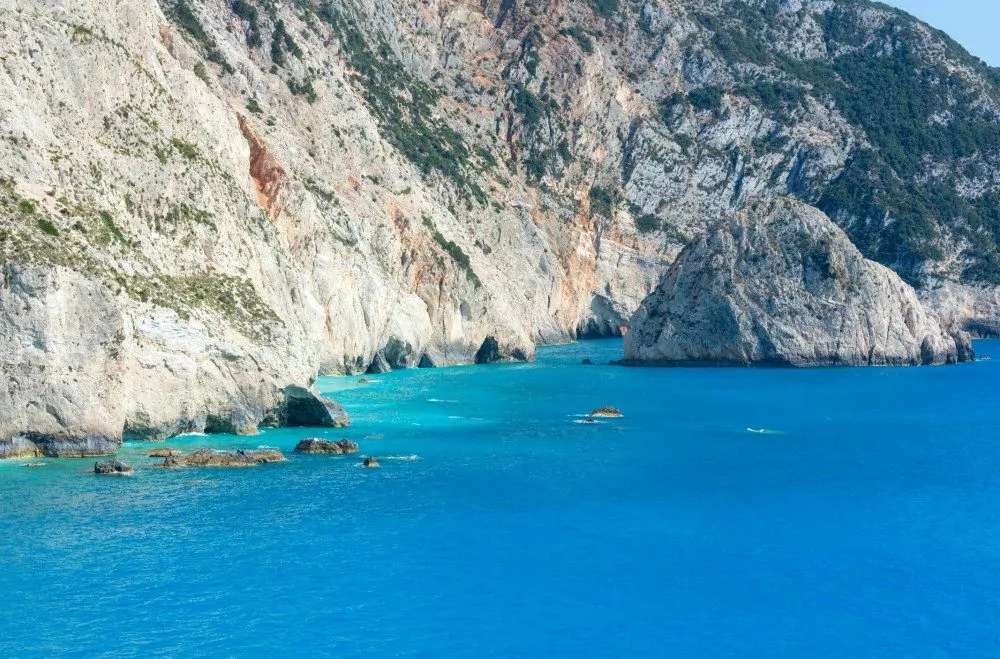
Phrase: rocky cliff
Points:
(782, 285)
(240, 194)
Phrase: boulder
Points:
(326, 446)
(371, 462)
(607, 413)
(492, 351)
(780, 284)
(213, 458)
(112, 468)
(305, 407)
(164, 452)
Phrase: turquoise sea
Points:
(732, 512)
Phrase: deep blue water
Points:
(864, 521)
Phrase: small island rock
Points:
(371, 462)
(326, 446)
(163, 452)
(213, 458)
(112, 468)
(607, 413)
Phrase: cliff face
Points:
(780, 284)
(257, 192)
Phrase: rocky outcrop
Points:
(780, 284)
(326, 446)
(492, 352)
(86, 369)
(607, 413)
(61, 344)
(213, 458)
(164, 452)
(302, 407)
(377, 185)
(113, 468)
(371, 462)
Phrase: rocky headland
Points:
(780, 284)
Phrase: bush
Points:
(648, 224)
(201, 72)
(606, 8)
(27, 206)
(48, 228)
(601, 201)
(706, 98)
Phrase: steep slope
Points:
(781, 284)
(259, 191)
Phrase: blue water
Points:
(863, 521)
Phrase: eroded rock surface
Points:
(113, 468)
(214, 458)
(780, 284)
(326, 446)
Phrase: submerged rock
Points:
(326, 446)
(113, 468)
(607, 413)
(586, 362)
(33, 464)
(214, 458)
(371, 462)
(780, 284)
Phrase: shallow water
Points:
(732, 512)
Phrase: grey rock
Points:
(371, 462)
(780, 284)
(326, 446)
(164, 452)
(492, 352)
(304, 407)
(214, 458)
(113, 468)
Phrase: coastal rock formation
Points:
(204, 203)
(214, 458)
(82, 374)
(164, 452)
(113, 468)
(326, 446)
(303, 407)
(371, 462)
(780, 284)
(607, 413)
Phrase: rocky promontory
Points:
(780, 284)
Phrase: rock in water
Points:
(306, 407)
(164, 452)
(607, 413)
(371, 462)
(213, 458)
(113, 468)
(780, 284)
(326, 446)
